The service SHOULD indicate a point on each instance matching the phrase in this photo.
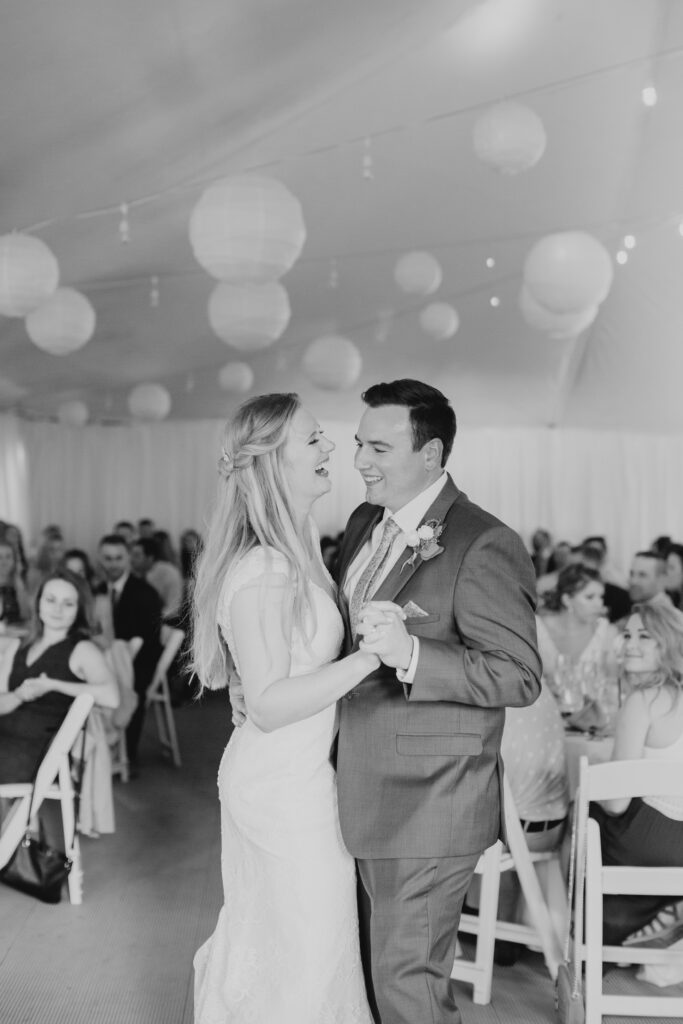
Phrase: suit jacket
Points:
(138, 613)
(419, 771)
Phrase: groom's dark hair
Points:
(431, 414)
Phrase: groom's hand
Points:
(383, 631)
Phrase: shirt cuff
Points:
(408, 675)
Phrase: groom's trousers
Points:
(409, 913)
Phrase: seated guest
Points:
(560, 556)
(15, 606)
(76, 560)
(645, 832)
(541, 550)
(674, 574)
(146, 563)
(647, 579)
(48, 557)
(616, 599)
(608, 571)
(133, 609)
(12, 534)
(575, 626)
(40, 678)
(125, 529)
(146, 527)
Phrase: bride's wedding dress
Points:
(285, 949)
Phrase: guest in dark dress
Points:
(14, 603)
(40, 678)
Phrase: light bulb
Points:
(622, 256)
(490, 262)
(494, 301)
(649, 95)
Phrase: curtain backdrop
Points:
(628, 487)
(14, 495)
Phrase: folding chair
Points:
(53, 781)
(159, 695)
(603, 782)
(119, 657)
(486, 926)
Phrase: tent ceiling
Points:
(109, 102)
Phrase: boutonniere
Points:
(424, 541)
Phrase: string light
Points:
(649, 95)
(494, 301)
(154, 292)
(124, 224)
(368, 163)
(622, 257)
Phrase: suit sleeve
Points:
(493, 661)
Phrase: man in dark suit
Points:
(135, 612)
(444, 593)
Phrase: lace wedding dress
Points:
(285, 949)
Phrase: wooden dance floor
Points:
(152, 894)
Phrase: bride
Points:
(285, 946)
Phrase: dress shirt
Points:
(117, 586)
(408, 518)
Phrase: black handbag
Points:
(36, 868)
(569, 1004)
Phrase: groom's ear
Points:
(432, 452)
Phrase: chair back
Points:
(629, 779)
(63, 741)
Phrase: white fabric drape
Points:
(628, 487)
(14, 492)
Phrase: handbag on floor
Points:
(36, 868)
(568, 988)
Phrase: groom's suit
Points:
(418, 766)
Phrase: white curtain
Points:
(628, 487)
(14, 494)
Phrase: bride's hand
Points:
(237, 701)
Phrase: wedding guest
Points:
(40, 677)
(616, 599)
(608, 571)
(146, 527)
(647, 831)
(76, 561)
(147, 563)
(541, 550)
(674, 573)
(167, 552)
(648, 578)
(13, 535)
(48, 557)
(560, 556)
(15, 606)
(125, 529)
(576, 627)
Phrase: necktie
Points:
(113, 597)
(372, 571)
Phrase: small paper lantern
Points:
(332, 362)
(29, 273)
(418, 273)
(63, 323)
(247, 229)
(555, 325)
(249, 316)
(73, 414)
(149, 402)
(236, 377)
(440, 320)
(509, 137)
(568, 272)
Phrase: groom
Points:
(444, 593)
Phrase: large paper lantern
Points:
(73, 414)
(555, 325)
(249, 316)
(63, 323)
(332, 362)
(149, 402)
(236, 377)
(440, 320)
(29, 273)
(418, 273)
(568, 272)
(509, 137)
(247, 228)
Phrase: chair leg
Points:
(13, 828)
(71, 842)
(486, 938)
(593, 928)
(171, 733)
(540, 916)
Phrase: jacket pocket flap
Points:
(429, 745)
(420, 620)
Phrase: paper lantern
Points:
(236, 377)
(149, 402)
(440, 320)
(332, 362)
(73, 414)
(555, 325)
(418, 273)
(63, 323)
(568, 272)
(249, 316)
(247, 229)
(509, 137)
(29, 273)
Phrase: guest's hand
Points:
(239, 705)
(381, 625)
(31, 689)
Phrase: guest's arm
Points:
(87, 662)
(633, 723)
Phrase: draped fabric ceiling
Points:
(107, 102)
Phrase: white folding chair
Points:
(604, 782)
(53, 781)
(159, 695)
(541, 933)
(119, 657)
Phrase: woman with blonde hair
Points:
(647, 831)
(286, 942)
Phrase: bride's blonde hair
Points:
(253, 507)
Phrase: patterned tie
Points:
(372, 571)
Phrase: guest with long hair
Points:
(15, 607)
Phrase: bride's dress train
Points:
(285, 949)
